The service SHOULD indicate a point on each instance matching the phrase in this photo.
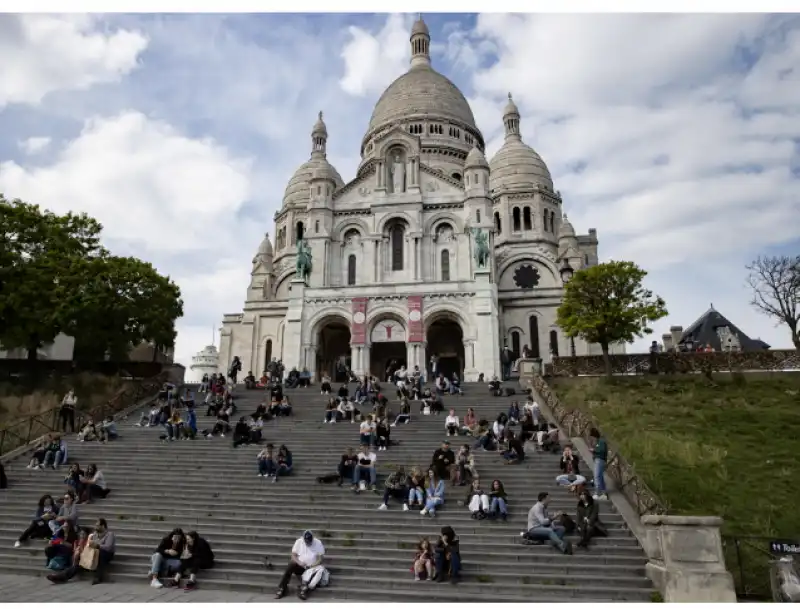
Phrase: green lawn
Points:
(731, 448)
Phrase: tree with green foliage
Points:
(56, 277)
(606, 303)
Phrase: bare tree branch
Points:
(775, 281)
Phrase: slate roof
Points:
(704, 331)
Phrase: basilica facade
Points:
(388, 265)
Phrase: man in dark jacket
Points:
(443, 458)
(167, 557)
(346, 466)
(395, 487)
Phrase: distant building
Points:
(711, 329)
(204, 362)
(63, 347)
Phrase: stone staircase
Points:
(209, 486)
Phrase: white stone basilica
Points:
(393, 271)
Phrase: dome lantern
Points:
(511, 120)
(420, 44)
(319, 138)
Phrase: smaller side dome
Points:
(566, 230)
(475, 159)
(265, 249)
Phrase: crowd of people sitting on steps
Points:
(71, 550)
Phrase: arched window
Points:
(497, 224)
(516, 219)
(526, 218)
(397, 247)
(445, 265)
(552, 222)
(478, 216)
(554, 343)
(545, 223)
(299, 231)
(456, 176)
(515, 344)
(533, 326)
(268, 353)
(351, 269)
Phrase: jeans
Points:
(397, 493)
(331, 415)
(452, 566)
(498, 505)
(266, 467)
(432, 503)
(506, 371)
(553, 534)
(159, 564)
(54, 457)
(486, 442)
(599, 478)
(564, 480)
(416, 495)
(361, 469)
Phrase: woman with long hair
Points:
(498, 501)
(447, 556)
(435, 494)
(46, 510)
(588, 517)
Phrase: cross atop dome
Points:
(420, 44)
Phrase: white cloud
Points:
(675, 136)
(40, 54)
(373, 61)
(34, 145)
(151, 187)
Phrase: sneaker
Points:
(383, 506)
(333, 421)
(423, 512)
(604, 496)
(408, 421)
(17, 544)
(405, 507)
(274, 479)
(595, 496)
(280, 593)
(260, 475)
(156, 584)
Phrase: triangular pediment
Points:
(435, 183)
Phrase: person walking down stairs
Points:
(167, 557)
(307, 554)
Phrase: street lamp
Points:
(566, 272)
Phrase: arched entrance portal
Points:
(333, 350)
(446, 341)
(388, 347)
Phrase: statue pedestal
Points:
(293, 331)
(487, 339)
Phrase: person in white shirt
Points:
(307, 553)
(451, 424)
(532, 407)
(365, 464)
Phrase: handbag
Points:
(90, 557)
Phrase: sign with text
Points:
(782, 546)
(416, 329)
(358, 332)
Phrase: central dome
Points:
(422, 91)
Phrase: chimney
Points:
(676, 332)
(667, 340)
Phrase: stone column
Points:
(686, 562)
(311, 360)
(365, 359)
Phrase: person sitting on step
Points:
(88, 432)
(531, 406)
(68, 512)
(256, 426)
(73, 478)
(361, 394)
(347, 466)
(365, 468)
(196, 555)
(241, 432)
(107, 430)
(46, 511)
(588, 517)
(447, 556)
(367, 431)
(470, 423)
(266, 462)
(250, 380)
(441, 384)
(221, 427)
(348, 410)
(477, 501)
(527, 430)
(570, 470)
(102, 541)
(515, 452)
(37, 459)
(343, 393)
(331, 411)
(190, 427)
(383, 433)
(59, 548)
(548, 438)
(464, 467)
(395, 486)
(455, 384)
(56, 453)
(443, 458)
(93, 485)
(284, 462)
(174, 426)
(166, 560)
(498, 501)
(541, 527)
(416, 489)
(325, 385)
(415, 384)
(434, 493)
(405, 412)
(423, 561)
(513, 413)
(494, 387)
(451, 423)
(307, 553)
(285, 407)
(151, 419)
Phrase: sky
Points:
(676, 136)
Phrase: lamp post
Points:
(566, 272)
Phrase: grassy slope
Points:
(730, 450)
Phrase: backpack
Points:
(57, 563)
(316, 577)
